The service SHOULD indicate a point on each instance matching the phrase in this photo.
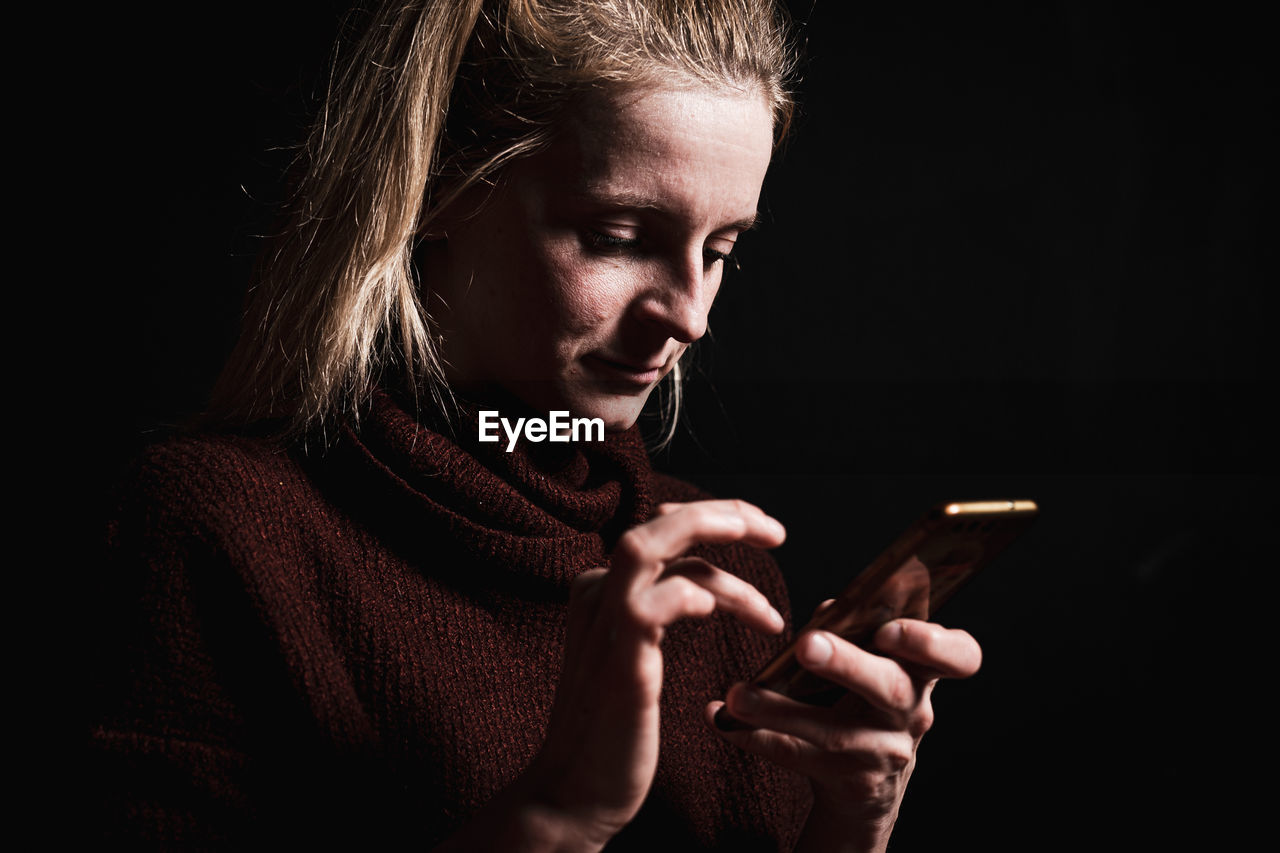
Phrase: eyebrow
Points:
(639, 201)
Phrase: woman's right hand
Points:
(601, 751)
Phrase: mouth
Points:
(639, 375)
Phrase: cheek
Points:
(712, 289)
(589, 295)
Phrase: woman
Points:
(346, 615)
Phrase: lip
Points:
(640, 375)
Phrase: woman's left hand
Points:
(859, 753)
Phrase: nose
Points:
(680, 296)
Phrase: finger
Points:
(642, 552)
(670, 507)
(831, 728)
(732, 594)
(759, 708)
(848, 752)
(668, 600)
(941, 652)
(880, 680)
(788, 751)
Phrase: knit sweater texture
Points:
(362, 645)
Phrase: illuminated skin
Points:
(578, 286)
(580, 283)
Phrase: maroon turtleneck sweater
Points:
(363, 645)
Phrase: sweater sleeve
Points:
(169, 757)
(222, 713)
(204, 728)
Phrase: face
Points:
(580, 282)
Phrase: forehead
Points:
(697, 152)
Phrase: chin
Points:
(618, 408)
(619, 412)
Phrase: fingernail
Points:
(776, 618)
(817, 649)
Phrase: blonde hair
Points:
(435, 98)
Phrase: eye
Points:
(711, 256)
(605, 243)
(610, 243)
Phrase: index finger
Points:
(642, 552)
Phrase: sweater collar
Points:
(551, 510)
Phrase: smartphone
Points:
(911, 578)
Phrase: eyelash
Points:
(610, 243)
(730, 260)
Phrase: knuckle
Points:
(897, 758)
(840, 742)
(690, 515)
(692, 596)
(723, 517)
(632, 546)
(900, 693)
(934, 636)
(921, 721)
(924, 637)
(861, 782)
(792, 751)
(954, 649)
(684, 588)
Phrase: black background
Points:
(1012, 250)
